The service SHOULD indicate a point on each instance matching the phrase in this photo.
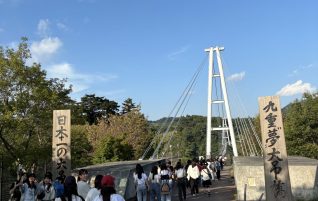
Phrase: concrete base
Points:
(249, 172)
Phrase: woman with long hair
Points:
(193, 174)
(180, 175)
(94, 192)
(166, 188)
(141, 183)
(30, 189)
(70, 190)
(154, 180)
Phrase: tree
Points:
(301, 126)
(27, 99)
(112, 149)
(81, 149)
(97, 108)
(133, 128)
(130, 130)
(128, 106)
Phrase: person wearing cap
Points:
(48, 187)
(94, 192)
(108, 192)
(82, 185)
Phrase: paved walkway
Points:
(221, 190)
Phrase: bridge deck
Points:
(221, 190)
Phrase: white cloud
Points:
(45, 48)
(236, 76)
(182, 50)
(43, 27)
(300, 69)
(61, 26)
(296, 88)
(79, 81)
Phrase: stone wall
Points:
(249, 174)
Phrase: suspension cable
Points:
(242, 142)
(245, 112)
(177, 124)
(186, 91)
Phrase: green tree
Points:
(133, 128)
(130, 130)
(81, 149)
(27, 99)
(301, 126)
(112, 149)
(128, 106)
(97, 108)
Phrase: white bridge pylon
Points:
(212, 75)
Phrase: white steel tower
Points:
(211, 76)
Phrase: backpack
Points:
(165, 188)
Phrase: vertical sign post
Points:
(61, 142)
(277, 182)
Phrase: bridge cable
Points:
(176, 126)
(170, 114)
(242, 142)
(249, 119)
(185, 93)
(253, 144)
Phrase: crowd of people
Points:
(163, 177)
(158, 183)
(64, 188)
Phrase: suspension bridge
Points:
(244, 180)
(235, 131)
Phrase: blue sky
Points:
(149, 50)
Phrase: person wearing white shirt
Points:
(141, 183)
(154, 180)
(94, 192)
(82, 185)
(180, 175)
(193, 175)
(165, 176)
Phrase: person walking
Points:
(165, 176)
(140, 179)
(154, 181)
(180, 175)
(218, 169)
(94, 192)
(193, 175)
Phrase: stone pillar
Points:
(61, 142)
